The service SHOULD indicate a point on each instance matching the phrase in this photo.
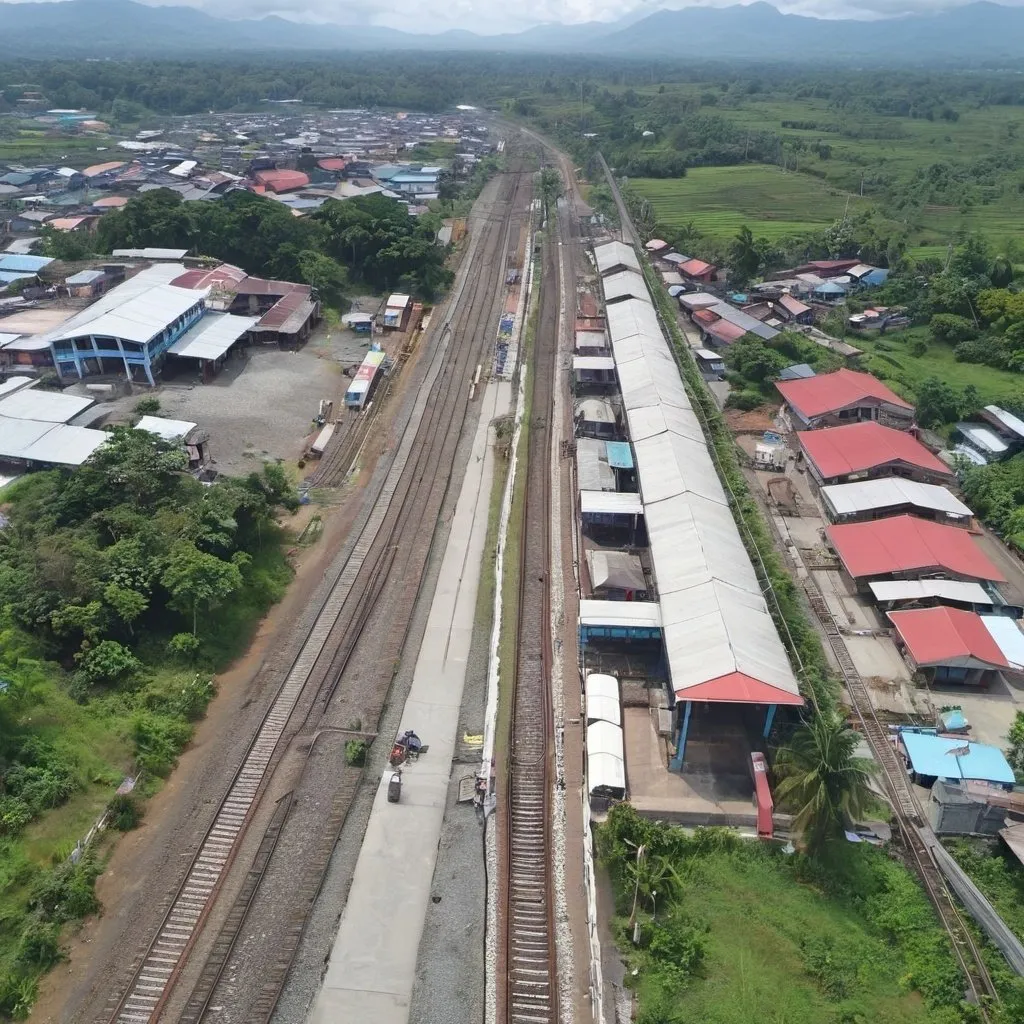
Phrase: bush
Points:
(184, 647)
(744, 400)
(109, 662)
(355, 753)
(17, 994)
(148, 406)
(158, 740)
(125, 812)
(67, 892)
(39, 945)
(15, 814)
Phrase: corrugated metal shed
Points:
(624, 285)
(671, 464)
(1005, 420)
(937, 756)
(632, 317)
(981, 437)
(169, 430)
(891, 492)
(592, 470)
(613, 255)
(626, 503)
(43, 406)
(649, 421)
(212, 336)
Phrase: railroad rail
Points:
(908, 813)
(531, 992)
(421, 467)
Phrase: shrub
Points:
(184, 647)
(39, 945)
(158, 740)
(745, 400)
(17, 994)
(67, 892)
(109, 662)
(15, 814)
(355, 753)
(125, 812)
(148, 406)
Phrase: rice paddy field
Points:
(770, 201)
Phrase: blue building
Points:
(129, 329)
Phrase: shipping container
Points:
(363, 383)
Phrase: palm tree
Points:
(744, 257)
(822, 781)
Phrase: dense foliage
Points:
(371, 240)
(755, 364)
(728, 927)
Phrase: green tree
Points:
(744, 257)
(195, 579)
(937, 402)
(324, 274)
(67, 245)
(822, 781)
(1015, 752)
(108, 662)
(1001, 272)
(551, 186)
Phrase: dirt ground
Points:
(262, 404)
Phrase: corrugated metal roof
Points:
(699, 300)
(592, 470)
(632, 317)
(169, 430)
(616, 569)
(947, 636)
(624, 284)
(212, 336)
(644, 614)
(859, 447)
(43, 406)
(615, 254)
(24, 263)
(918, 590)
(1007, 420)
(602, 699)
(593, 363)
(611, 502)
(884, 547)
(891, 492)
(987, 440)
(13, 384)
(84, 277)
(830, 392)
(935, 755)
(152, 253)
(139, 318)
(646, 382)
(670, 464)
(53, 443)
(1008, 638)
(747, 323)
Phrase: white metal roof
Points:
(708, 355)
(694, 540)
(984, 438)
(651, 420)
(1008, 637)
(212, 336)
(615, 254)
(642, 346)
(16, 436)
(699, 300)
(593, 363)
(613, 502)
(620, 613)
(45, 406)
(651, 382)
(604, 709)
(714, 630)
(915, 590)
(152, 253)
(598, 684)
(606, 764)
(38, 441)
(169, 430)
(591, 339)
(1007, 419)
(632, 316)
(592, 470)
(885, 492)
(12, 384)
(623, 285)
(397, 301)
(616, 569)
(671, 464)
(6, 339)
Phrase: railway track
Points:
(531, 991)
(907, 811)
(415, 483)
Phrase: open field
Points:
(771, 202)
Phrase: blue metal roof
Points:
(620, 454)
(798, 371)
(930, 755)
(14, 263)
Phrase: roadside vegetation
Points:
(124, 585)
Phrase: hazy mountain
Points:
(97, 28)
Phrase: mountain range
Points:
(974, 33)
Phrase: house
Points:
(905, 547)
(711, 364)
(86, 284)
(845, 396)
(829, 291)
(891, 496)
(795, 310)
(281, 179)
(130, 329)
(931, 757)
(29, 220)
(698, 270)
(361, 323)
(593, 371)
(861, 451)
(950, 645)
(82, 223)
(656, 246)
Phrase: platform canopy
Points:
(602, 699)
(615, 255)
(212, 336)
(606, 761)
(616, 503)
(616, 569)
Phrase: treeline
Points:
(369, 240)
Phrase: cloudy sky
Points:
(492, 16)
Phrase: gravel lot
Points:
(262, 404)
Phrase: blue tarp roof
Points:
(830, 288)
(10, 276)
(13, 263)
(620, 454)
(929, 755)
(954, 719)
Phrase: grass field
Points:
(889, 357)
(771, 202)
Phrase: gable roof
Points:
(856, 447)
(944, 636)
(905, 544)
(829, 392)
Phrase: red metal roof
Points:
(905, 544)
(282, 179)
(739, 688)
(829, 392)
(855, 447)
(695, 268)
(225, 274)
(793, 306)
(943, 636)
(705, 316)
(332, 163)
(725, 332)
